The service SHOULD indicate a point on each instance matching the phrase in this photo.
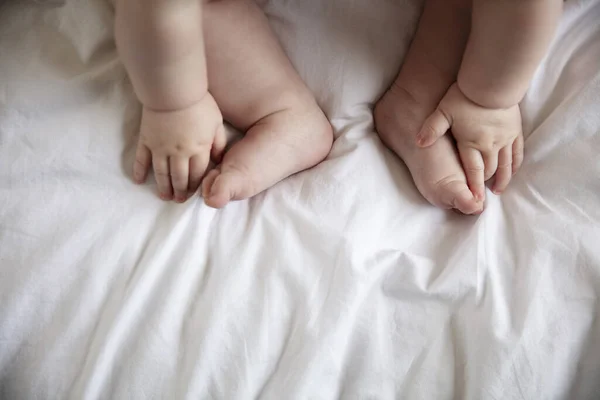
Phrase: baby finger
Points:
(490, 160)
(179, 170)
(198, 164)
(143, 160)
(517, 153)
(504, 171)
(161, 174)
(472, 162)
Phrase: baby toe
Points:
(208, 181)
(218, 189)
(456, 194)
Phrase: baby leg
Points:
(259, 92)
(430, 68)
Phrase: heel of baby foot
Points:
(324, 141)
(392, 126)
(321, 141)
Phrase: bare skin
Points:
(194, 62)
(429, 69)
(286, 131)
(466, 71)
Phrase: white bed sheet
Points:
(340, 282)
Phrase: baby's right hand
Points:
(179, 145)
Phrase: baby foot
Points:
(436, 170)
(275, 147)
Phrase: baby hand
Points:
(179, 145)
(489, 141)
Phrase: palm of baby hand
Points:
(489, 141)
(179, 144)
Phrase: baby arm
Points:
(508, 39)
(161, 45)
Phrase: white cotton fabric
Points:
(338, 283)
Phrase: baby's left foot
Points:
(275, 147)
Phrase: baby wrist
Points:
(173, 103)
(492, 98)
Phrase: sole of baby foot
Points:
(277, 146)
(436, 170)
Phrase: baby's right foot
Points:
(436, 170)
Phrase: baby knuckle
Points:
(481, 144)
(488, 144)
(501, 142)
(497, 143)
(179, 149)
(517, 152)
(161, 172)
(179, 183)
(140, 162)
(475, 168)
(177, 174)
(430, 131)
(487, 149)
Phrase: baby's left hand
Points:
(489, 141)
